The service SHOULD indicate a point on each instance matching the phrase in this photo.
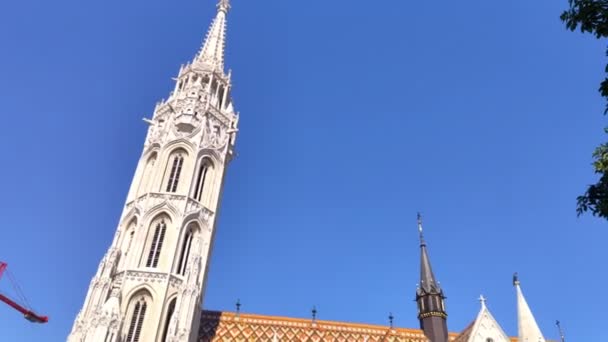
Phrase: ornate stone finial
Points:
(515, 279)
(223, 5)
(314, 314)
(390, 319)
(482, 300)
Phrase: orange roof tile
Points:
(227, 326)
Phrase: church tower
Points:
(149, 286)
(430, 297)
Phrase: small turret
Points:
(430, 297)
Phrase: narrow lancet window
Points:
(146, 175)
(176, 170)
(131, 234)
(137, 320)
(185, 252)
(201, 180)
(220, 98)
(156, 245)
(168, 320)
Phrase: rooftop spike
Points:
(211, 54)
(527, 328)
(420, 233)
(561, 332)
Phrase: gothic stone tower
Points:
(150, 284)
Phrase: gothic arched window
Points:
(157, 244)
(127, 242)
(176, 170)
(130, 241)
(220, 98)
(146, 175)
(137, 320)
(185, 250)
(202, 179)
(205, 81)
(170, 312)
(109, 336)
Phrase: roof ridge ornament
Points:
(483, 301)
(238, 307)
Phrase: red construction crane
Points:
(27, 313)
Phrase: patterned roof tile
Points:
(227, 326)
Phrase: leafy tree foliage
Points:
(591, 16)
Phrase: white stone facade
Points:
(485, 328)
(150, 284)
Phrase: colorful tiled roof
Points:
(465, 334)
(229, 327)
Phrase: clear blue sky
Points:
(355, 115)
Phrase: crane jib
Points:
(27, 314)
(2, 268)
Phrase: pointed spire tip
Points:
(420, 230)
(211, 55)
(515, 279)
(223, 5)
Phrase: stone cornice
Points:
(185, 204)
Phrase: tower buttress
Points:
(430, 297)
(150, 284)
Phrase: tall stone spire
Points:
(211, 54)
(150, 285)
(528, 330)
(430, 297)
